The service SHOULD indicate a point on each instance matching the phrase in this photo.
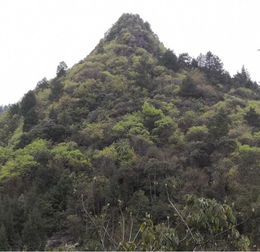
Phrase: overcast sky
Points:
(35, 35)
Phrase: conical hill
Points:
(133, 148)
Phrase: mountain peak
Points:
(131, 30)
(132, 22)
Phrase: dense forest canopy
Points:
(133, 148)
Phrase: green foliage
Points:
(61, 69)
(15, 138)
(213, 224)
(129, 29)
(125, 153)
(4, 246)
(3, 108)
(131, 125)
(42, 84)
(142, 70)
(30, 120)
(252, 117)
(33, 234)
(189, 89)
(219, 125)
(257, 138)
(164, 128)
(153, 237)
(56, 90)
(67, 155)
(242, 79)
(8, 125)
(197, 133)
(28, 102)
(85, 157)
(150, 115)
(249, 155)
(187, 120)
(210, 62)
(245, 93)
(5, 154)
(169, 59)
(18, 165)
(48, 130)
(23, 160)
(195, 85)
(93, 133)
(28, 111)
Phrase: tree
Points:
(212, 225)
(150, 115)
(42, 84)
(252, 118)
(169, 59)
(164, 128)
(219, 125)
(28, 102)
(197, 133)
(56, 90)
(30, 119)
(184, 60)
(3, 239)
(210, 62)
(242, 79)
(190, 89)
(61, 69)
(212, 66)
(14, 109)
(28, 111)
(143, 69)
(33, 233)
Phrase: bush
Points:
(189, 89)
(197, 133)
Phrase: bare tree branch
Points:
(102, 238)
(179, 214)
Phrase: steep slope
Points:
(133, 148)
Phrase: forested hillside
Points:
(3, 108)
(133, 148)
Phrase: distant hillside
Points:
(133, 148)
(3, 108)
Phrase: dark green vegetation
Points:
(3, 108)
(133, 148)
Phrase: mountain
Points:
(133, 148)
